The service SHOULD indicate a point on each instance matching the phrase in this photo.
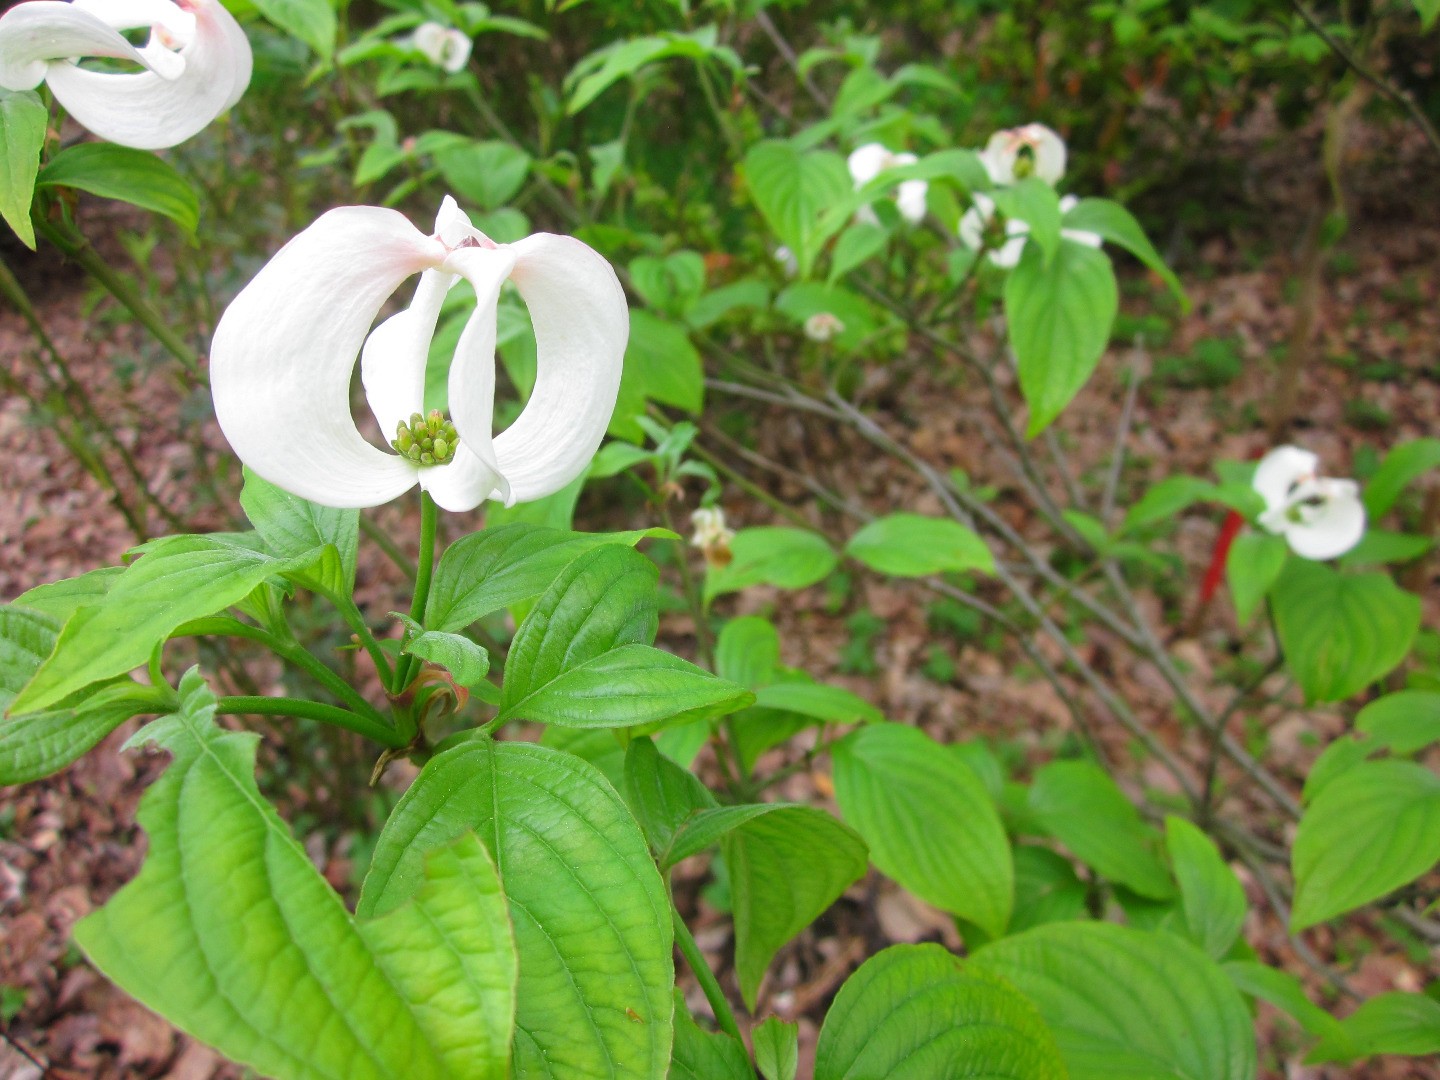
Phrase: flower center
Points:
(426, 440)
(1024, 162)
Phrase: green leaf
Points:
(227, 908)
(1401, 466)
(914, 1012)
(1382, 547)
(134, 176)
(597, 72)
(662, 795)
(629, 685)
(1252, 566)
(1283, 990)
(786, 867)
(1210, 893)
(747, 651)
(1166, 499)
(777, 1048)
(61, 599)
(501, 566)
(1341, 632)
(857, 245)
(928, 820)
(311, 21)
(772, 555)
(661, 364)
(911, 545)
(1428, 10)
(292, 526)
(23, 121)
(1059, 315)
(718, 303)
(1393, 1023)
(831, 704)
(705, 1055)
(1079, 804)
(1372, 829)
(670, 285)
(706, 828)
(1047, 889)
(467, 662)
(1112, 222)
(1137, 1004)
(38, 744)
(176, 580)
(1034, 202)
(1405, 721)
(486, 173)
(591, 916)
(793, 189)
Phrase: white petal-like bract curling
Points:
(1319, 517)
(1041, 150)
(443, 46)
(282, 358)
(197, 64)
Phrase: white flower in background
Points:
(712, 537)
(822, 326)
(1319, 517)
(872, 159)
(443, 46)
(1032, 150)
(284, 351)
(197, 64)
(787, 260)
(975, 222)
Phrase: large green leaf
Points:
(662, 795)
(493, 569)
(486, 173)
(1128, 1004)
(747, 651)
(772, 555)
(1079, 804)
(1393, 1023)
(1034, 202)
(831, 704)
(1252, 566)
(120, 172)
(793, 189)
(603, 68)
(311, 21)
(1210, 893)
(592, 920)
(913, 1012)
(1341, 632)
(176, 580)
(1371, 829)
(1059, 314)
(911, 545)
(928, 820)
(292, 526)
(786, 867)
(1405, 721)
(37, 744)
(23, 120)
(61, 599)
(777, 1048)
(231, 933)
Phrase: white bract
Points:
(872, 159)
(284, 351)
(1319, 517)
(823, 325)
(197, 64)
(1032, 150)
(710, 528)
(443, 46)
(976, 221)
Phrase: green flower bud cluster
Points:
(426, 440)
(1024, 163)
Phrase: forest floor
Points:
(1372, 380)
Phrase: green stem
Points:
(290, 651)
(79, 249)
(311, 710)
(708, 983)
(356, 621)
(424, 570)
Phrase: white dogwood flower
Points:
(975, 222)
(197, 64)
(1032, 150)
(443, 46)
(281, 362)
(822, 326)
(712, 536)
(1319, 517)
(868, 162)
